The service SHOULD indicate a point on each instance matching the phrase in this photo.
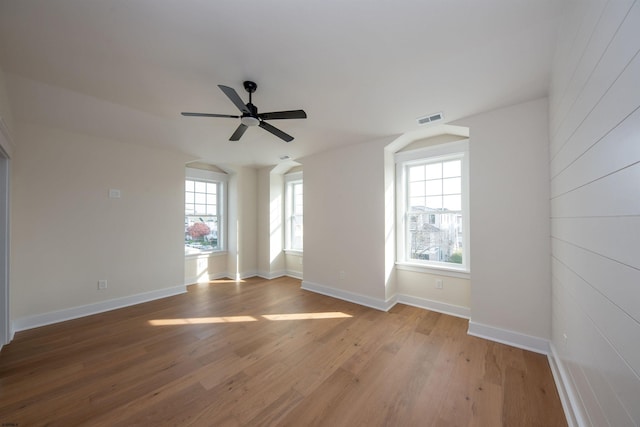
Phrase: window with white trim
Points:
(204, 222)
(433, 213)
(294, 212)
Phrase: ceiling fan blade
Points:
(209, 115)
(238, 133)
(235, 98)
(275, 115)
(277, 132)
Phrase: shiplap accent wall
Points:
(595, 209)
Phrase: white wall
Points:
(347, 227)
(595, 210)
(6, 145)
(67, 233)
(389, 230)
(242, 214)
(263, 240)
(415, 285)
(272, 259)
(202, 268)
(205, 267)
(294, 264)
(453, 298)
(344, 220)
(509, 198)
(5, 110)
(270, 237)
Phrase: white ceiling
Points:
(361, 69)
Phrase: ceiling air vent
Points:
(429, 119)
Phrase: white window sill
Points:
(293, 252)
(205, 254)
(440, 271)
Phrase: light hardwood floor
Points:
(260, 352)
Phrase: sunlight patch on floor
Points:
(201, 320)
(236, 319)
(306, 316)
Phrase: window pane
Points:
(433, 171)
(435, 237)
(212, 222)
(294, 215)
(297, 199)
(452, 186)
(201, 216)
(452, 169)
(296, 232)
(416, 203)
(433, 187)
(416, 173)
(201, 233)
(201, 187)
(434, 202)
(434, 217)
(212, 187)
(416, 189)
(453, 203)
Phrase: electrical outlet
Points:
(102, 284)
(565, 339)
(438, 283)
(342, 274)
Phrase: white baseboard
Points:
(270, 275)
(246, 274)
(209, 278)
(512, 338)
(378, 304)
(242, 276)
(280, 273)
(570, 400)
(11, 333)
(37, 320)
(440, 307)
(192, 281)
(295, 274)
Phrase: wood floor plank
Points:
(262, 352)
(320, 406)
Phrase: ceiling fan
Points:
(250, 115)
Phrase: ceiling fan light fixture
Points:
(250, 121)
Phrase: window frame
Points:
(220, 179)
(432, 154)
(290, 180)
